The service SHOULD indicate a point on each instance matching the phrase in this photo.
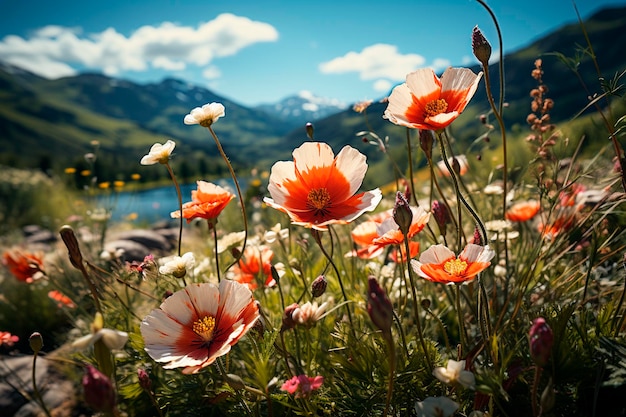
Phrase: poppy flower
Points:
(196, 325)
(318, 189)
(207, 202)
(376, 236)
(255, 263)
(440, 264)
(25, 266)
(61, 299)
(428, 102)
(523, 211)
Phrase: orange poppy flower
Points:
(318, 189)
(428, 102)
(440, 264)
(373, 236)
(199, 323)
(61, 299)
(255, 264)
(207, 202)
(25, 266)
(523, 211)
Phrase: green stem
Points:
(239, 194)
(36, 390)
(461, 319)
(217, 256)
(416, 304)
(392, 370)
(180, 207)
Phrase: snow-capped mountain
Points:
(303, 107)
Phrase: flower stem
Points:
(180, 207)
(217, 256)
(392, 370)
(36, 390)
(462, 334)
(416, 308)
(239, 194)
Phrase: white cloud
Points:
(55, 51)
(382, 86)
(375, 61)
(211, 73)
(440, 64)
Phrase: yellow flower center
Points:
(436, 107)
(455, 267)
(318, 199)
(204, 327)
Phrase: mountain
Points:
(304, 107)
(52, 124)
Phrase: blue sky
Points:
(256, 51)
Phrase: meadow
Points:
(487, 284)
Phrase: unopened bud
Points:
(402, 213)
(36, 342)
(309, 130)
(379, 307)
(541, 341)
(235, 381)
(275, 274)
(425, 303)
(288, 321)
(144, 379)
(98, 390)
(478, 240)
(426, 142)
(69, 238)
(441, 215)
(480, 47)
(318, 287)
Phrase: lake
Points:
(155, 204)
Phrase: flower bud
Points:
(288, 321)
(309, 130)
(36, 342)
(402, 213)
(426, 142)
(318, 287)
(98, 390)
(441, 215)
(541, 341)
(69, 238)
(480, 47)
(144, 379)
(379, 307)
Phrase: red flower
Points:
(61, 299)
(196, 325)
(25, 266)
(318, 189)
(255, 264)
(207, 202)
(302, 385)
(440, 264)
(7, 339)
(523, 211)
(427, 102)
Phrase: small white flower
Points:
(205, 115)
(230, 240)
(436, 407)
(309, 313)
(276, 233)
(159, 154)
(113, 339)
(455, 374)
(493, 189)
(178, 265)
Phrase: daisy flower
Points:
(196, 325)
(440, 264)
(428, 102)
(318, 189)
(206, 115)
(207, 202)
(178, 265)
